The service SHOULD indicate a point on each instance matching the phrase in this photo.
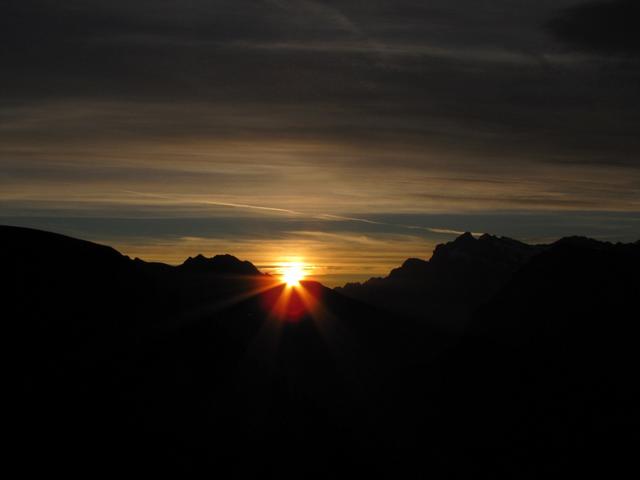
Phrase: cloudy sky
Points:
(351, 134)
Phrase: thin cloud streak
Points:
(323, 216)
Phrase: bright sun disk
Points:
(292, 274)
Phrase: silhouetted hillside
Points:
(219, 265)
(551, 362)
(182, 368)
(460, 276)
(123, 365)
(554, 294)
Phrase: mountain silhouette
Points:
(105, 345)
(459, 277)
(550, 361)
(213, 367)
(219, 265)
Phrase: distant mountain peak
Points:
(485, 246)
(486, 236)
(466, 237)
(412, 262)
(460, 275)
(580, 241)
(220, 264)
(409, 268)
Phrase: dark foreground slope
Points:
(551, 364)
(123, 364)
(128, 366)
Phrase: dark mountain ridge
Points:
(219, 265)
(126, 365)
(103, 344)
(460, 276)
(551, 360)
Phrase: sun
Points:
(292, 274)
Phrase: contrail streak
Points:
(213, 202)
(322, 216)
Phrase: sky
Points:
(349, 135)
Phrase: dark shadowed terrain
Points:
(211, 367)
(460, 276)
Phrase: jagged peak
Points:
(486, 248)
(465, 237)
(225, 263)
(412, 262)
